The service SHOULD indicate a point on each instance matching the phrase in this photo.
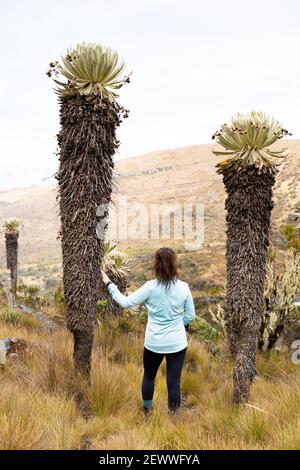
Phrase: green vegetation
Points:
(203, 330)
(31, 295)
(292, 237)
(16, 318)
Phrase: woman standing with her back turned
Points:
(170, 308)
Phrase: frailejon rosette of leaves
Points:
(247, 142)
(89, 69)
(115, 261)
(12, 225)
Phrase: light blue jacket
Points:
(169, 310)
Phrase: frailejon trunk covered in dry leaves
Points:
(11, 242)
(85, 82)
(249, 172)
(87, 142)
(249, 204)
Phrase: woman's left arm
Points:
(136, 298)
(189, 309)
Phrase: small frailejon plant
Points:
(116, 264)
(115, 261)
(11, 230)
(12, 225)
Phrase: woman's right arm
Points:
(189, 309)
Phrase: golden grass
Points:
(38, 410)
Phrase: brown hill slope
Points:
(165, 177)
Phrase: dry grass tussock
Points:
(38, 409)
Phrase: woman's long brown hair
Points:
(165, 266)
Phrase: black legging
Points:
(152, 362)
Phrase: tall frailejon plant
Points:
(249, 172)
(86, 81)
(11, 230)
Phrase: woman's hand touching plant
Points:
(105, 277)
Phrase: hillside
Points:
(184, 175)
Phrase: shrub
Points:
(30, 295)
(16, 318)
(203, 330)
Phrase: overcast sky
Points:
(194, 62)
